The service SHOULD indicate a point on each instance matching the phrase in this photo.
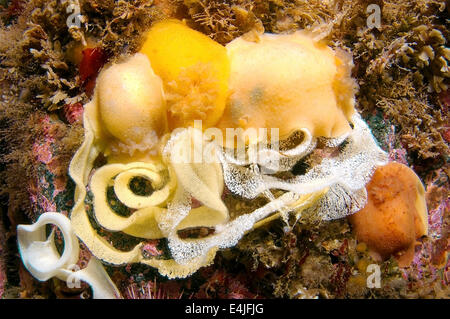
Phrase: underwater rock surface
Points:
(312, 259)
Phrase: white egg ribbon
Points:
(42, 259)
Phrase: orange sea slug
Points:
(395, 215)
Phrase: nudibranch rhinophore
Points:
(143, 120)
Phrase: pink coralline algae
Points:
(42, 147)
(435, 218)
(431, 257)
(43, 151)
(223, 285)
(73, 112)
(44, 203)
(444, 98)
(52, 180)
(150, 249)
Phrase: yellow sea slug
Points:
(194, 69)
(289, 82)
(131, 103)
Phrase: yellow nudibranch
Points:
(289, 82)
(131, 101)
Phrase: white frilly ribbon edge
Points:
(41, 258)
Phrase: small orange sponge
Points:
(395, 215)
